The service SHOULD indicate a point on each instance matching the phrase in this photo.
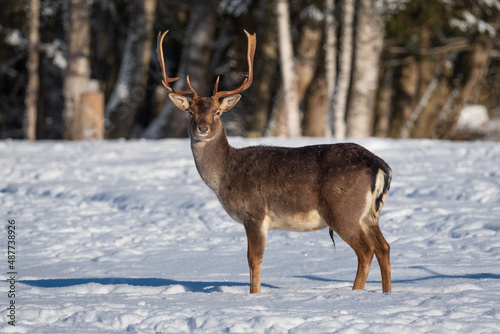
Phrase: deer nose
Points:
(203, 128)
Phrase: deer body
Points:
(340, 186)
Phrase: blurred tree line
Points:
(84, 69)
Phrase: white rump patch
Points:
(367, 216)
(370, 215)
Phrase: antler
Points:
(252, 41)
(166, 80)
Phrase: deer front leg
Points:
(256, 237)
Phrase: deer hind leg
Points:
(382, 252)
(256, 237)
(366, 239)
(367, 242)
(364, 250)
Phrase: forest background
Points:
(88, 70)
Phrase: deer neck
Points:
(211, 158)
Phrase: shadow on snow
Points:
(433, 275)
(191, 286)
(208, 287)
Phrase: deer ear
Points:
(180, 101)
(229, 102)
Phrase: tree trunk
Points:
(316, 106)
(330, 63)
(447, 93)
(196, 52)
(488, 90)
(368, 47)
(423, 119)
(129, 90)
(304, 66)
(345, 65)
(78, 73)
(266, 65)
(435, 92)
(288, 77)
(426, 65)
(472, 70)
(404, 102)
(383, 104)
(307, 56)
(425, 79)
(32, 88)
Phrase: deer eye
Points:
(218, 113)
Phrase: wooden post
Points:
(92, 116)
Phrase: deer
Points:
(342, 186)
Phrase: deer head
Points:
(205, 112)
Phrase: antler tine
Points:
(252, 42)
(191, 87)
(216, 86)
(166, 80)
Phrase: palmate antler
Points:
(252, 41)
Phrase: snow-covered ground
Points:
(115, 237)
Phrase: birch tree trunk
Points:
(304, 66)
(77, 76)
(330, 63)
(32, 89)
(368, 47)
(345, 65)
(129, 90)
(287, 69)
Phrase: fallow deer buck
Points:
(340, 186)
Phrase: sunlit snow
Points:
(123, 236)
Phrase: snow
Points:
(123, 236)
(15, 38)
(473, 118)
(469, 21)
